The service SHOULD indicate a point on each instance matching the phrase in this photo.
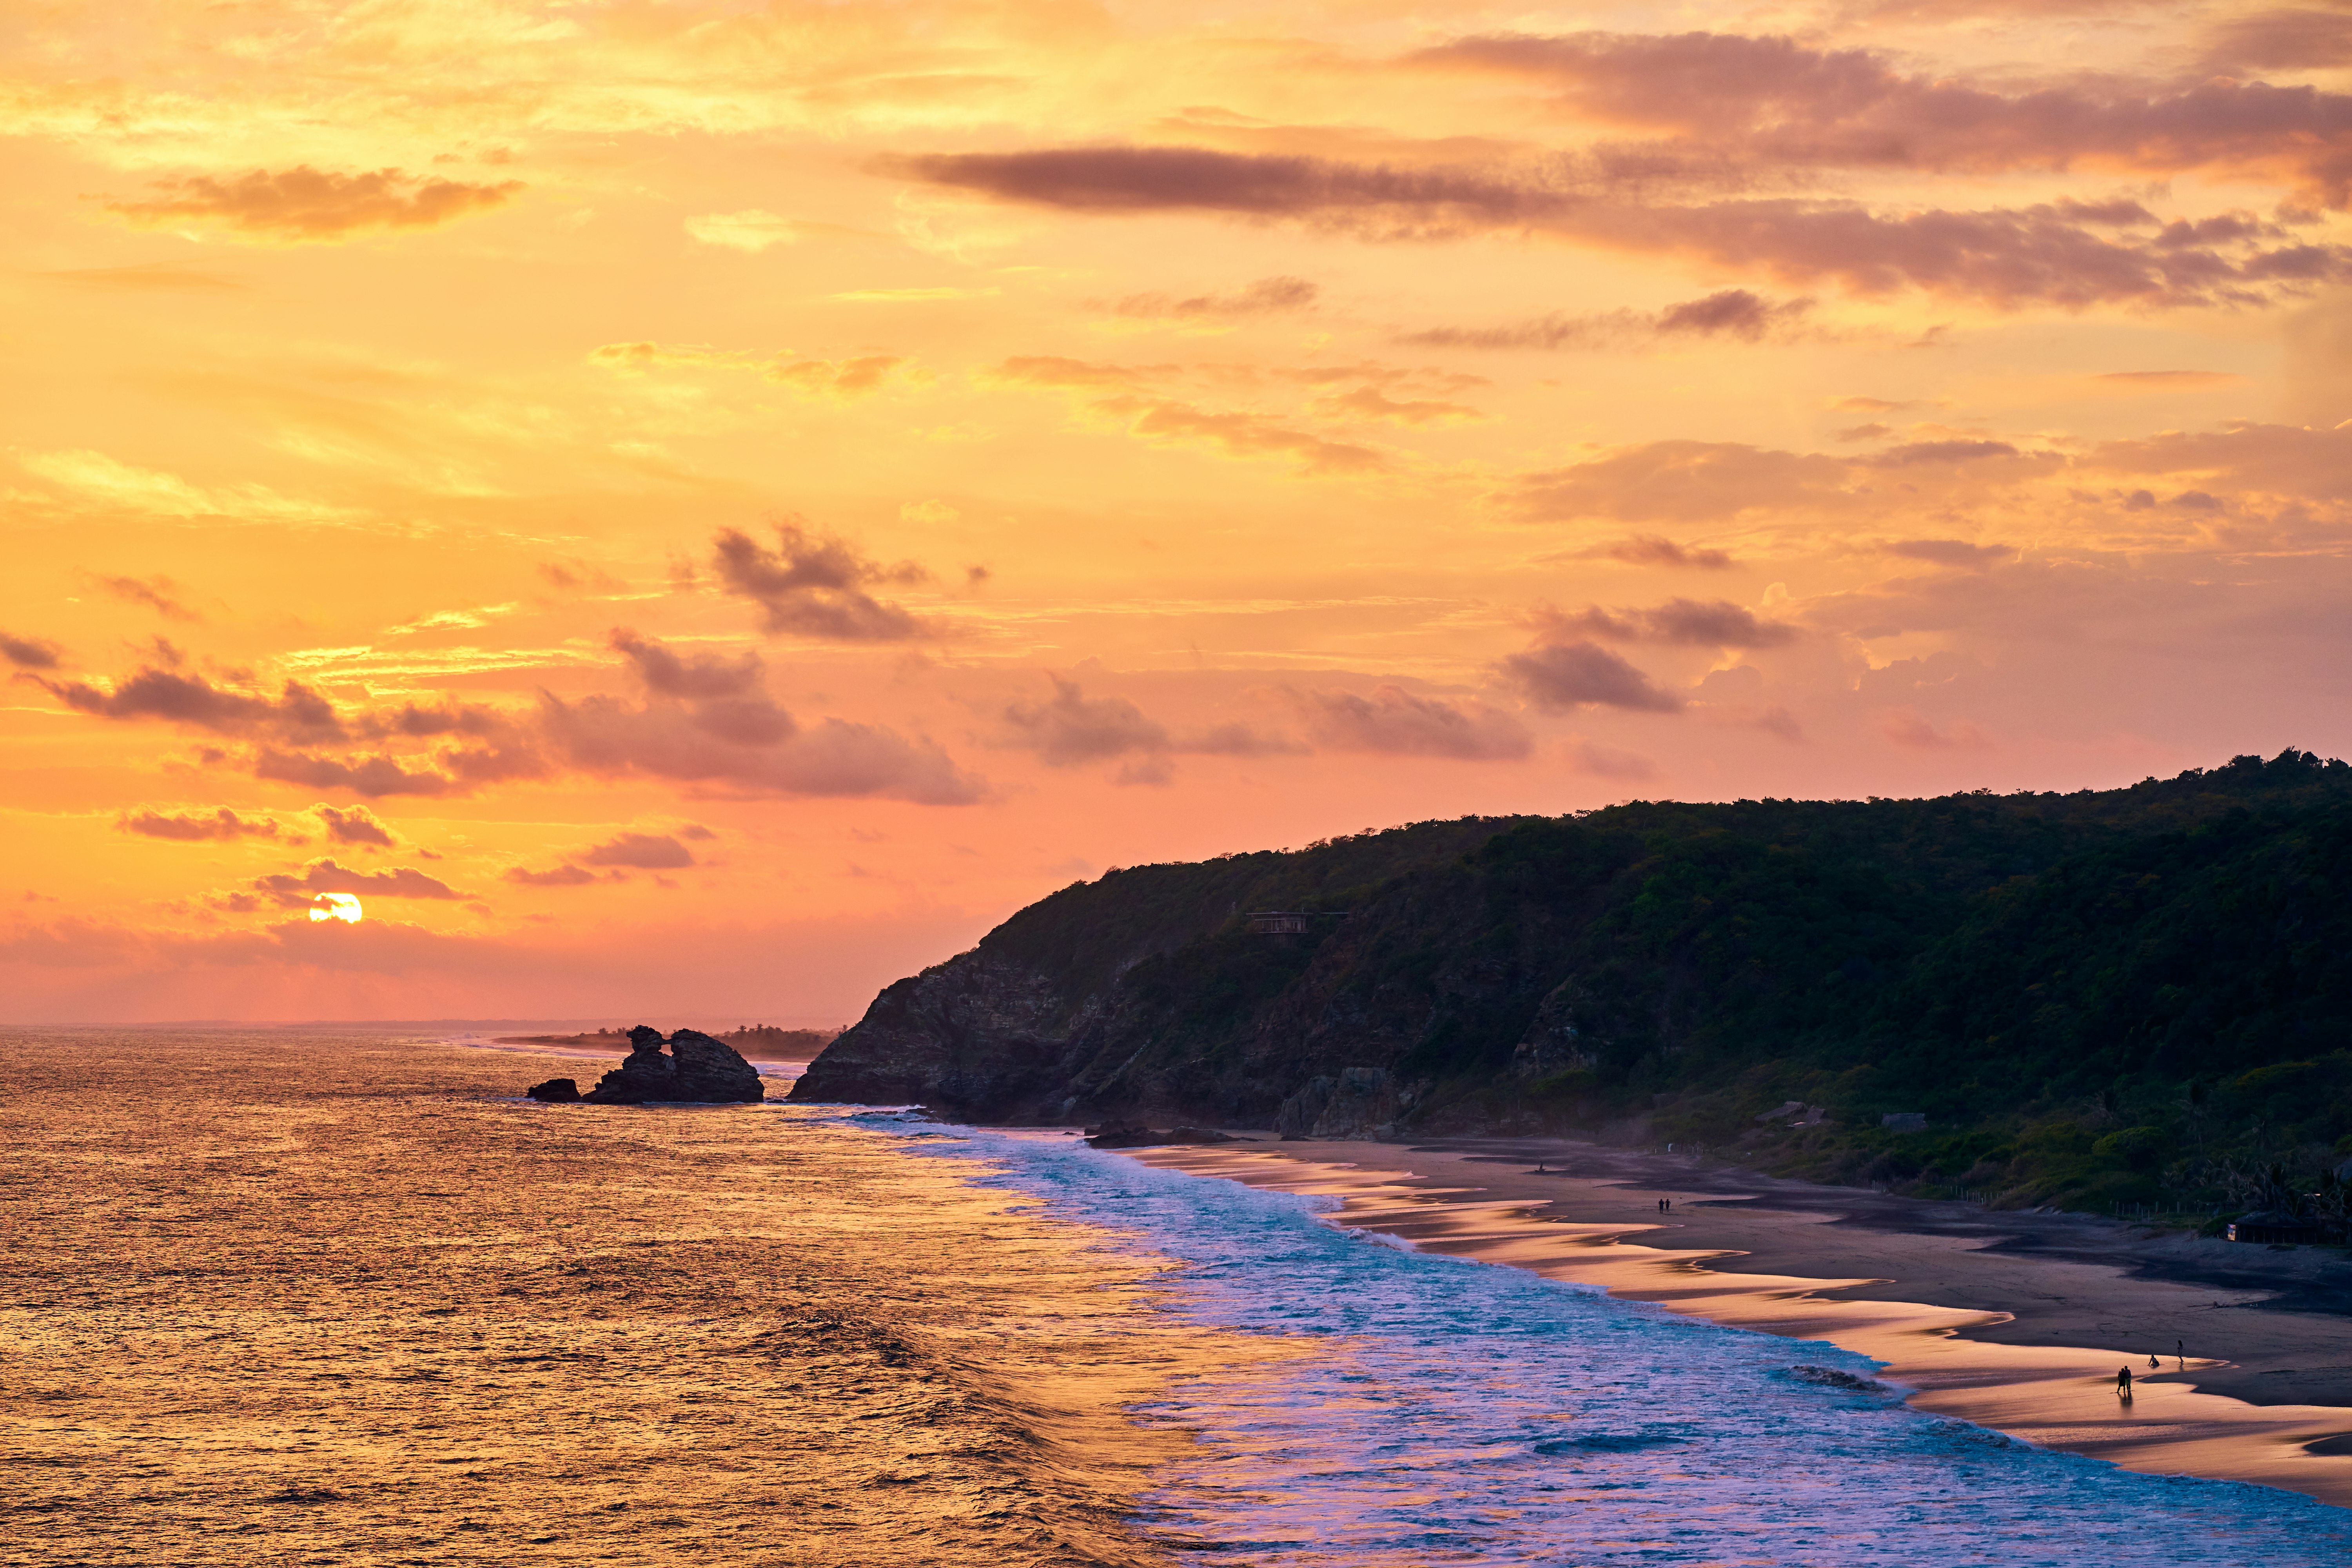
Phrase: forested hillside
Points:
(2122, 998)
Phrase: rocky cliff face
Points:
(1652, 960)
(1189, 1016)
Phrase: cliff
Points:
(1675, 967)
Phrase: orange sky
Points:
(700, 509)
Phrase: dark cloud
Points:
(1266, 297)
(1775, 101)
(814, 585)
(192, 827)
(706, 720)
(326, 876)
(31, 653)
(356, 826)
(1951, 552)
(1652, 550)
(2294, 39)
(642, 851)
(296, 713)
(2070, 255)
(307, 204)
(1071, 728)
(373, 776)
(560, 877)
(1918, 452)
(1735, 314)
(156, 593)
(1559, 677)
(1399, 723)
(1710, 623)
(666, 739)
(695, 830)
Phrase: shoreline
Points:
(2015, 1322)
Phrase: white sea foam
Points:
(1466, 1413)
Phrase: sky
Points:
(703, 508)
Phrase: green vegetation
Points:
(2125, 999)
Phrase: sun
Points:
(336, 906)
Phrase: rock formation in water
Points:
(696, 1067)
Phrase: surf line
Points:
(2058, 1397)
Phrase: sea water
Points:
(1451, 1411)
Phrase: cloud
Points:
(193, 827)
(641, 851)
(1372, 402)
(1951, 552)
(1733, 314)
(1396, 721)
(296, 713)
(303, 203)
(31, 653)
(1652, 550)
(1608, 762)
(844, 379)
(606, 737)
(156, 593)
(1917, 452)
(1561, 676)
(1680, 480)
(840, 379)
(1774, 102)
(814, 585)
(1071, 728)
(560, 877)
(701, 677)
(327, 876)
(2065, 254)
(2167, 380)
(1711, 623)
(1908, 730)
(355, 825)
(1240, 435)
(752, 229)
(373, 776)
(1266, 297)
(111, 483)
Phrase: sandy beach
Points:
(2016, 1321)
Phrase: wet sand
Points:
(2016, 1322)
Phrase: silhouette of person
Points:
(2180, 1349)
(1670, 1205)
(2122, 1381)
(2152, 1363)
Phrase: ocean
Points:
(343, 1297)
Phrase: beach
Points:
(2015, 1321)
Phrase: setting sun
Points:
(336, 906)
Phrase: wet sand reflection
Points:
(2059, 1397)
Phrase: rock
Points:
(1145, 1138)
(696, 1067)
(712, 1070)
(555, 1092)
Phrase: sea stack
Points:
(695, 1068)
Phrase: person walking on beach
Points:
(2122, 1381)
